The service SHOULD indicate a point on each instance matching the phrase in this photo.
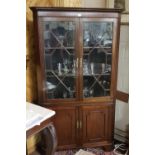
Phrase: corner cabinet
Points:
(77, 57)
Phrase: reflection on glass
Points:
(49, 85)
(97, 58)
(97, 34)
(59, 42)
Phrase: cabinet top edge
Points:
(117, 10)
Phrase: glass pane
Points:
(59, 52)
(97, 58)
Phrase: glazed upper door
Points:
(59, 37)
(97, 37)
(79, 57)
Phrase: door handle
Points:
(77, 61)
(80, 124)
(77, 124)
(80, 62)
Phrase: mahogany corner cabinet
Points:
(77, 60)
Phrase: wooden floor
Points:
(70, 152)
(96, 151)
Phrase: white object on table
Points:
(35, 115)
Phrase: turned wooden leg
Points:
(49, 140)
(51, 132)
(26, 149)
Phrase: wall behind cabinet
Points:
(122, 108)
(31, 82)
(123, 62)
(94, 3)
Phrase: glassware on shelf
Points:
(108, 68)
(92, 67)
(50, 86)
(64, 94)
(86, 92)
(85, 67)
(106, 84)
(70, 92)
(96, 68)
(61, 39)
(47, 35)
(65, 69)
(107, 43)
(91, 92)
(65, 63)
(86, 38)
(59, 69)
(103, 67)
(73, 67)
(70, 36)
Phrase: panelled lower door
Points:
(66, 126)
(96, 125)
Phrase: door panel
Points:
(97, 123)
(97, 57)
(65, 124)
(59, 37)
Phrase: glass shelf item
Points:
(59, 55)
(97, 34)
(97, 58)
(49, 85)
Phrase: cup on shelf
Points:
(103, 67)
(64, 94)
(92, 67)
(73, 67)
(107, 43)
(50, 86)
(59, 69)
(91, 92)
(85, 67)
(66, 69)
(108, 68)
(85, 92)
(70, 92)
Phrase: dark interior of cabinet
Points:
(60, 59)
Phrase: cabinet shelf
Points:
(101, 47)
(103, 74)
(63, 75)
(106, 89)
(52, 91)
(58, 48)
(49, 73)
(52, 73)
